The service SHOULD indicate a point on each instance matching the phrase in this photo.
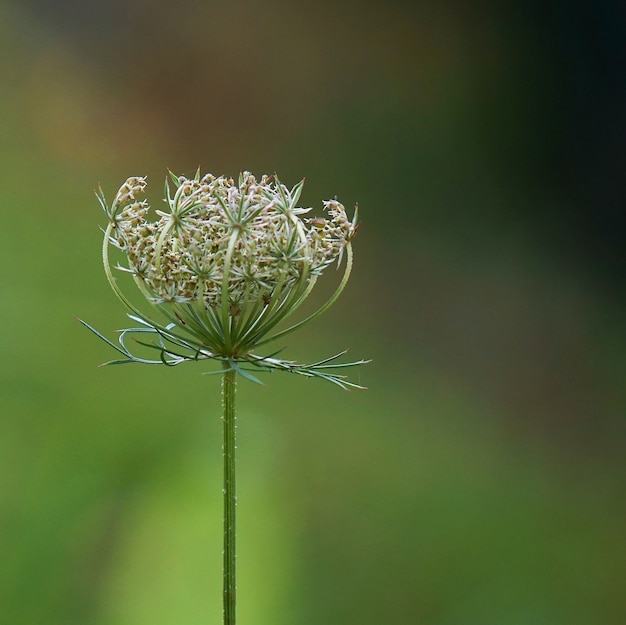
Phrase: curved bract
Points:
(225, 265)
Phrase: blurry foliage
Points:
(479, 479)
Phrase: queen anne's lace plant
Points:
(225, 264)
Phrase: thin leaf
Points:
(243, 372)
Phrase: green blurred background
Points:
(479, 480)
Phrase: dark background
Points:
(480, 478)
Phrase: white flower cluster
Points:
(247, 242)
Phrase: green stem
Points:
(230, 497)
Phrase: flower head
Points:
(225, 263)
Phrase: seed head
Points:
(226, 261)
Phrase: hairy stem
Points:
(230, 497)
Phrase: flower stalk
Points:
(229, 383)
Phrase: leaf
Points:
(243, 372)
(101, 336)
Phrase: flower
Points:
(225, 263)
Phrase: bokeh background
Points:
(480, 479)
